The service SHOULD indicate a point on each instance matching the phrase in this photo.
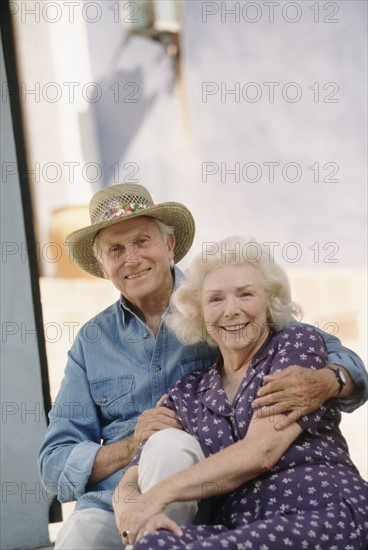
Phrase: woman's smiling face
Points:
(234, 305)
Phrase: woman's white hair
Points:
(186, 319)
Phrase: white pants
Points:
(165, 453)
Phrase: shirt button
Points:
(145, 335)
(104, 399)
(158, 368)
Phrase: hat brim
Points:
(79, 244)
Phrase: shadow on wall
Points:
(139, 73)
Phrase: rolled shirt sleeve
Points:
(77, 470)
(73, 436)
(344, 357)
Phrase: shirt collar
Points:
(125, 309)
(212, 377)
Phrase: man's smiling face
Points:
(136, 259)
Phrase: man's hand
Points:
(295, 391)
(153, 420)
(111, 458)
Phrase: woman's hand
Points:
(159, 522)
(134, 511)
(135, 519)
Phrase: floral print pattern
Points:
(121, 211)
(313, 498)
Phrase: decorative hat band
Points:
(121, 211)
(124, 201)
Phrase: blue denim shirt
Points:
(116, 369)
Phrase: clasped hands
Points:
(137, 515)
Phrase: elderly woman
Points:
(272, 489)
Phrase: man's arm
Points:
(71, 456)
(73, 436)
(111, 458)
(301, 391)
(355, 393)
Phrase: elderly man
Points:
(125, 358)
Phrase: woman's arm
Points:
(221, 473)
(230, 468)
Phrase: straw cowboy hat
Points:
(126, 201)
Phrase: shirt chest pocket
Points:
(115, 397)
